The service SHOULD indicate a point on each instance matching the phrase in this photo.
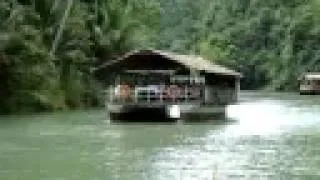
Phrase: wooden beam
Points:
(150, 71)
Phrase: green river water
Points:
(275, 136)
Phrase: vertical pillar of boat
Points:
(135, 94)
(237, 91)
(161, 97)
(186, 94)
(149, 98)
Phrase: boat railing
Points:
(154, 94)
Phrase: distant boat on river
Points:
(310, 83)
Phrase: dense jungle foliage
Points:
(48, 47)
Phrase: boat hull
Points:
(310, 92)
(160, 113)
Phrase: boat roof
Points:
(312, 76)
(191, 61)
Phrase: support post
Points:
(111, 94)
(148, 95)
(186, 93)
(135, 95)
(161, 96)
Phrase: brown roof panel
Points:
(197, 62)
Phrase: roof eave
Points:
(169, 55)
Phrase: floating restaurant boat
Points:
(310, 83)
(180, 86)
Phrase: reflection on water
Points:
(273, 138)
(268, 117)
(276, 136)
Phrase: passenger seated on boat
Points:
(123, 92)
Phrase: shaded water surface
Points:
(275, 136)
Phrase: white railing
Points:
(155, 94)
